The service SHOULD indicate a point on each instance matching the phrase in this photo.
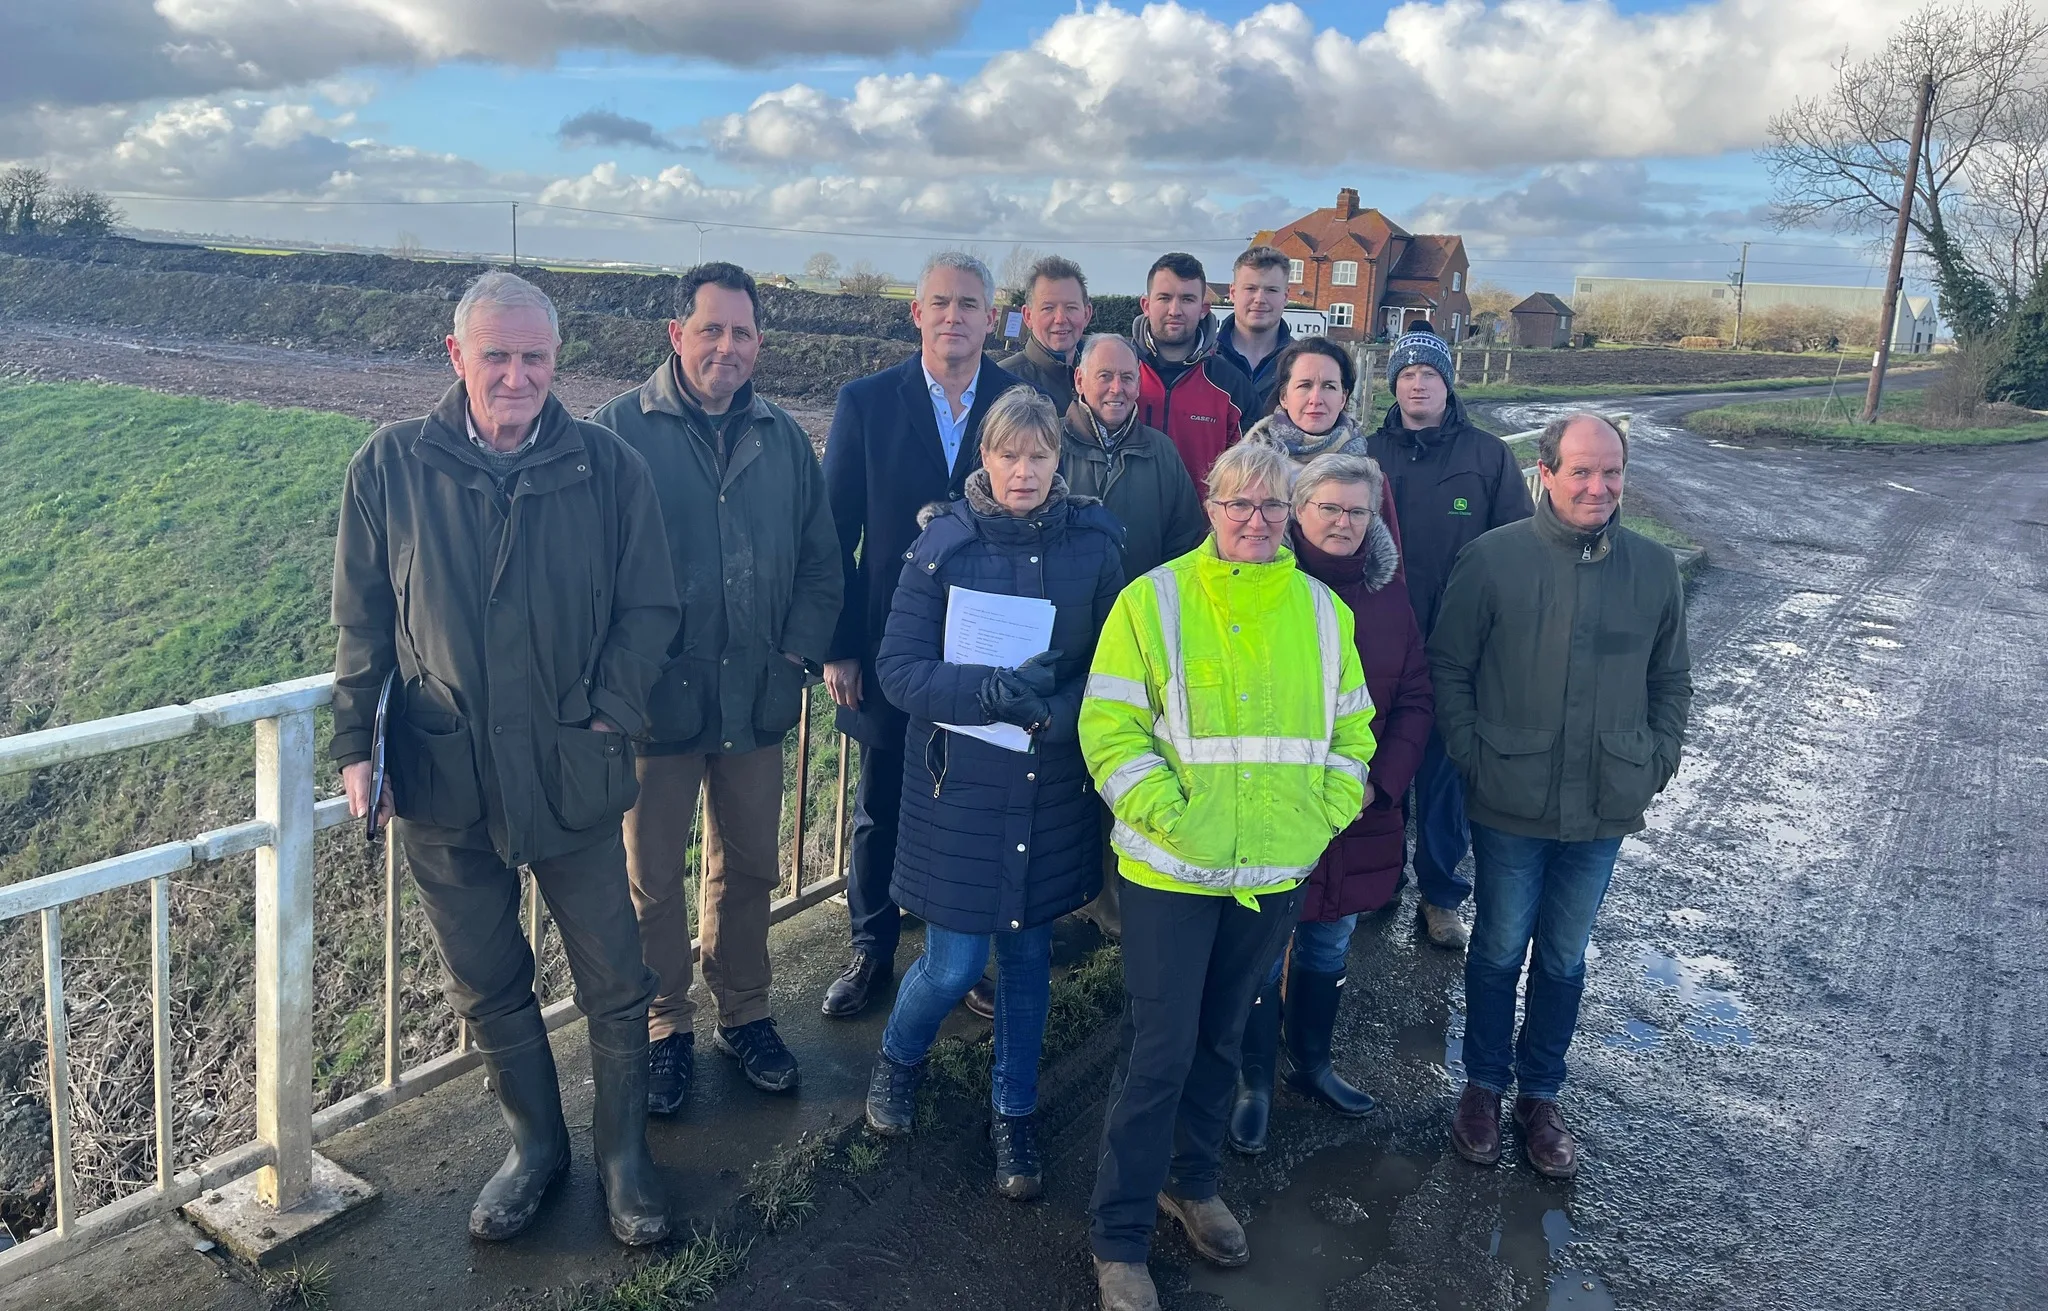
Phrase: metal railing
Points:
(281, 835)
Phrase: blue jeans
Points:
(952, 964)
(1320, 946)
(1441, 833)
(1529, 890)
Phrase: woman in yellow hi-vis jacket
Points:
(1227, 724)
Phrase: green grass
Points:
(688, 1278)
(1515, 391)
(1901, 422)
(1658, 531)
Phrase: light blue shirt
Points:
(951, 430)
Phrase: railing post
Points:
(58, 1031)
(284, 957)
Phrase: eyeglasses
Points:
(1241, 511)
(1330, 510)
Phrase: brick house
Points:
(1372, 276)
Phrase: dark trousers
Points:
(1193, 966)
(472, 902)
(1442, 835)
(877, 806)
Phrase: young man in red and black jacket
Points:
(1185, 389)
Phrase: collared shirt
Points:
(488, 449)
(952, 431)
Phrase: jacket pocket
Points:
(433, 772)
(1629, 774)
(1511, 768)
(1208, 689)
(594, 779)
(780, 700)
(675, 708)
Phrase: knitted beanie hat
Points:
(1419, 348)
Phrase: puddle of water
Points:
(1439, 1045)
(1717, 1014)
(1635, 1036)
(1534, 1244)
(1329, 1225)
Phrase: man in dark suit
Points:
(901, 439)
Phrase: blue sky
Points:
(1558, 136)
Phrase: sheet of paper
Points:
(986, 628)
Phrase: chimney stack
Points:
(1347, 204)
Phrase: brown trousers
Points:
(742, 816)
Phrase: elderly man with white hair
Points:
(503, 565)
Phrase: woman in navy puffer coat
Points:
(994, 845)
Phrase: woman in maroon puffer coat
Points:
(1341, 540)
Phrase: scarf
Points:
(1276, 429)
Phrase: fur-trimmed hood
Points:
(981, 500)
(1374, 566)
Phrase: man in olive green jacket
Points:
(507, 562)
(757, 567)
(1562, 688)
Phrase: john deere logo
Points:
(1461, 506)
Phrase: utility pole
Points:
(1887, 319)
(515, 234)
(1740, 279)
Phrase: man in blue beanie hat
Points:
(1451, 482)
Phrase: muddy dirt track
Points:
(1811, 1070)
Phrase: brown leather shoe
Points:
(1125, 1286)
(1212, 1230)
(1475, 1127)
(1550, 1147)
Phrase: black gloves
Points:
(1018, 696)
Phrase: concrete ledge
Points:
(1691, 564)
(233, 1217)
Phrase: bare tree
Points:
(1014, 275)
(2002, 226)
(24, 192)
(1840, 158)
(76, 212)
(408, 246)
(822, 267)
(864, 280)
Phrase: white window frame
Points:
(1457, 325)
(1344, 273)
(1457, 280)
(1295, 270)
(1340, 314)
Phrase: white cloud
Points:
(1443, 84)
(102, 51)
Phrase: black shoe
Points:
(531, 1100)
(671, 1068)
(1248, 1118)
(892, 1097)
(634, 1196)
(1311, 1021)
(763, 1058)
(981, 998)
(1019, 1176)
(864, 975)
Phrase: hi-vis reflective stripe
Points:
(1348, 766)
(1240, 878)
(1176, 726)
(1108, 687)
(1128, 775)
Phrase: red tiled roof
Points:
(1542, 302)
(1427, 255)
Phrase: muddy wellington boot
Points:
(1312, 999)
(1248, 1119)
(633, 1191)
(523, 1073)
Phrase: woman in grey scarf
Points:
(1307, 417)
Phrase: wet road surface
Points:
(1811, 1069)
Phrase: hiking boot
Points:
(634, 1196)
(671, 1068)
(1312, 999)
(864, 975)
(531, 1101)
(1443, 927)
(1212, 1230)
(1475, 1126)
(1019, 1176)
(1551, 1148)
(1249, 1117)
(763, 1058)
(892, 1097)
(981, 998)
(1125, 1286)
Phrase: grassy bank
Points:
(155, 549)
(1903, 420)
(1569, 391)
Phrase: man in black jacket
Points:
(900, 439)
(1056, 312)
(1452, 481)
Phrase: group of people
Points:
(1276, 639)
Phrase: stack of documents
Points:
(984, 628)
